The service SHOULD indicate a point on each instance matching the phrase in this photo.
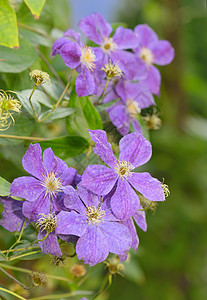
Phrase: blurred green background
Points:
(171, 261)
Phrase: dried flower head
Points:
(78, 270)
(38, 278)
(39, 77)
(153, 121)
(165, 189)
(47, 222)
(112, 70)
(114, 266)
(8, 105)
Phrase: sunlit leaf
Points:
(17, 60)
(35, 7)
(4, 187)
(8, 26)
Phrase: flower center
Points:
(147, 55)
(47, 222)
(132, 107)
(94, 214)
(87, 58)
(123, 168)
(52, 184)
(109, 45)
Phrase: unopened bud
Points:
(78, 270)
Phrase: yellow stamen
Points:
(87, 58)
(109, 45)
(52, 184)
(123, 168)
(94, 214)
(147, 55)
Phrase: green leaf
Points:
(8, 26)
(35, 7)
(37, 98)
(133, 271)
(65, 147)
(86, 117)
(106, 105)
(23, 127)
(2, 257)
(17, 60)
(58, 113)
(35, 38)
(4, 187)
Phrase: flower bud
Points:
(78, 270)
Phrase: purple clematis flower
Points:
(99, 231)
(12, 217)
(98, 30)
(46, 183)
(152, 51)
(79, 57)
(135, 151)
(133, 98)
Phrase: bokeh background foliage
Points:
(171, 261)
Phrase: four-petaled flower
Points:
(91, 219)
(119, 180)
(152, 51)
(48, 180)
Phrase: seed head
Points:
(38, 278)
(153, 121)
(39, 77)
(112, 70)
(114, 266)
(47, 222)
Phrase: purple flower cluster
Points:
(134, 51)
(97, 212)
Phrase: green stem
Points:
(31, 244)
(23, 255)
(30, 101)
(36, 31)
(23, 270)
(105, 285)
(28, 138)
(50, 67)
(19, 249)
(59, 296)
(59, 100)
(12, 293)
(19, 238)
(107, 82)
(13, 278)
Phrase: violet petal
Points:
(148, 186)
(134, 148)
